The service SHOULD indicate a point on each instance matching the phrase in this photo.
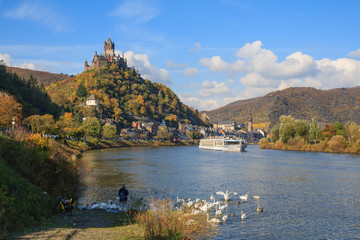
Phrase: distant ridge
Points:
(327, 106)
(45, 78)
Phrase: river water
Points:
(305, 195)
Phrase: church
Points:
(107, 57)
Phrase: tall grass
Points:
(162, 221)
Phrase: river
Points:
(305, 195)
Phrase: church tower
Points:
(250, 123)
(109, 47)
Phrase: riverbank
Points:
(329, 146)
(100, 144)
(94, 224)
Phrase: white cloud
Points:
(139, 11)
(354, 54)
(172, 64)
(42, 65)
(200, 104)
(191, 71)
(212, 88)
(343, 72)
(146, 69)
(195, 47)
(254, 79)
(10, 62)
(264, 72)
(38, 13)
(216, 64)
(6, 58)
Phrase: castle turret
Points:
(109, 47)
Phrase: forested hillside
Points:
(42, 77)
(28, 93)
(121, 94)
(327, 106)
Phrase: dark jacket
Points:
(123, 193)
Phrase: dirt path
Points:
(94, 224)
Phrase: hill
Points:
(44, 78)
(28, 93)
(122, 95)
(327, 106)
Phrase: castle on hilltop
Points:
(107, 57)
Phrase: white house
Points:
(91, 101)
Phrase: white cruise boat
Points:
(223, 144)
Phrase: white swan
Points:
(95, 206)
(218, 211)
(212, 198)
(213, 220)
(243, 215)
(224, 218)
(244, 198)
(226, 195)
(204, 208)
(259, 209)
(190, 203)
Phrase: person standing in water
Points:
(123, 193)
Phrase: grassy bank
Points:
(33, 172)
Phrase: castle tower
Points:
(109, 47)
(250, 123)
(86, 65)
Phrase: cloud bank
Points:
(142, 63)
(261, 71)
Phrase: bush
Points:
(162, 222)
(337, 144)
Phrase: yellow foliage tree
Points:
(9, 108)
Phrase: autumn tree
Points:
(109, 132)
(44, 124)
(91, 126)
(9, 108)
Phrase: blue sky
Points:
(210, 53)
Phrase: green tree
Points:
(81, 91)
(163, 133)
(195, 135)
(314, 131)
(275, 133)
(92, 126)
(301, 128)
(109, 132)
(287, 131)
(339, 128)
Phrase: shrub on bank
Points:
(337, 144)
(160, 221)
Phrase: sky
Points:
(210, 53)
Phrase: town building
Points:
(91, 101)
(226, 126)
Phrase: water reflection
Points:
(304, 195)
